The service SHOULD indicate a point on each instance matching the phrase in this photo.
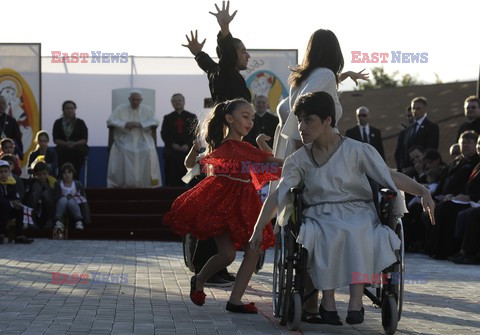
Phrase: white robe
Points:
(133, 158)
(341, 229)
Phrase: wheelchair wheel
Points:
(189, 246)
(389, 314)
(289, 256)
(400, 269)
(295, 311)
(278, 290)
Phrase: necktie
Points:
(415, 128)
(364, 135)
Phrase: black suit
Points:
(426, 137)
(266, 124)
(474, 125)
(400, 149)
(374, 137)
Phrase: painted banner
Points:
(267, 73)
(20, 85)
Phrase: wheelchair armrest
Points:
(388, 194)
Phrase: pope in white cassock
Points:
(133, 158)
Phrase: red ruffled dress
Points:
(226, 201)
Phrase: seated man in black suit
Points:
(363, 132)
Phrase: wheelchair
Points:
(290, 270)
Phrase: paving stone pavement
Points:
(148, 293)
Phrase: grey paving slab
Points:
(153, 298)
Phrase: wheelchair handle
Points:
(388, 193)
(296, 190)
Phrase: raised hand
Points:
(193, 45)
(358, 75)
(223, 16)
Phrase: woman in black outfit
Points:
(70, 134)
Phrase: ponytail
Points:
(216, 125)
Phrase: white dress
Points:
(320, 80)
(133, 160)
(341, 229)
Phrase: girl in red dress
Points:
(226, 204)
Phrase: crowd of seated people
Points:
(456, 189)
(39, 201)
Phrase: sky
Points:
(445, 31)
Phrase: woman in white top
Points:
(320, 71)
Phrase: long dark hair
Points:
(323, 50)
(216, 125)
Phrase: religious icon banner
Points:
(20, 85)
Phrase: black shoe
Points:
(23, 240)
(227, 276)
(309, 317)
(355, 317)
(329, 317)
(217, 281)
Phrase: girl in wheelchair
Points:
(225, 205)
(340, 230)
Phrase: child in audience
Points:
(70, 199)
(40, 195)
(8, 147)
(10, 205)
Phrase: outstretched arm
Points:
(354, 76)
(193, 45)
(191, 158)
(407, 184)
(267, 213)
(224, 18)
(262, 142)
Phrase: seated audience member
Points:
(133, 160)
(454, 151)
(7, 146)
(472, 116)
(71, 199)
(49, 154)
(432, 159)
(19, 182)
(40, 195)
(459, 187)
(416, 168)
(416, 224)
(467, 230)
(10, 205)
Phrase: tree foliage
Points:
(381, 79)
